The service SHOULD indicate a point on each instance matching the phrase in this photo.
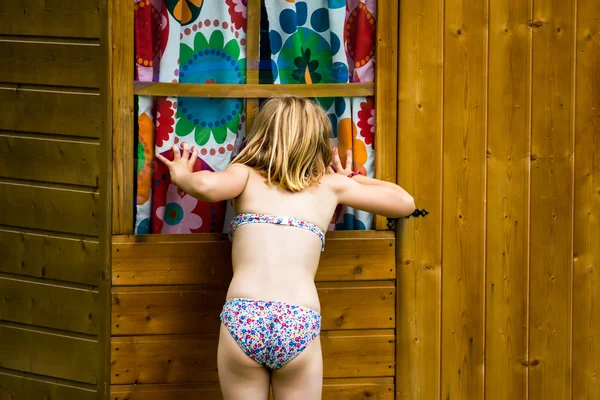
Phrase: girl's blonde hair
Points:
(289, 143)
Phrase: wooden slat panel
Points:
(57, 18)
(121, 96)
(420, 172)
(166, 310)
(551, 252)
(19, 386)
(462, 342)
(586, 249)
(358, 353)
(50, 63)
(46, 353)
(507, 200)
(167, 391)
(164, 359)
(357, 305)
(192, 309)
(193, 358)
(48, 256)
(333, 389)
(48, 305)
(358, 389)
(255, 90)
(50, 111)
(57, 161)
(49, 208)
(206, 259)
(386, 95)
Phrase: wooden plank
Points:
(166, 310)
(465, 72)
(57, 111)
(47, 353)
(254, 90)
(586, 225)
(507, 233)
(333, 389)
(55, 62)
(50, 160)
(19, 386)
(48, 256)
(164, 359)
(193, 309)
(357, 305)
(252, 63)
(56, 18)
(193, 358)
(105, 216)
(206, 259)
(419, 255)
(551, 209)
(358, 389)
(362, 353)
(386, 95)
(48, 305)
(168, 391)
(121, 61)
(49, 208)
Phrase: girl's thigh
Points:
(301, 378)
(240, 377)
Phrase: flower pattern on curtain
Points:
(204, 41)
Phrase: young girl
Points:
(285, 185)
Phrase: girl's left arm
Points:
(204, 185)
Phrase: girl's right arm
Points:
(367, 194)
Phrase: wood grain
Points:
(43, 255)
(50, 110)
(49, 208)
(507, 200)
(50, 62)
(193, 358)
(333, 389)
(386, 95)
(206, 259)
(47, 353)
(194, 309)
(20, 386)
(254, 90)
(49, 160)
(465, 70)
(121, 61)
(586, 252)
(253, 64)
(50, 305)
(551, 208)
(55, 18)
(419, 254)
(365, 353)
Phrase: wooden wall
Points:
(168, 291)
(499, 139)
(53, 197)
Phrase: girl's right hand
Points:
(336, 167)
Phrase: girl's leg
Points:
(301, 378)
(241, 378)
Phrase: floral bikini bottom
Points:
(270, 332)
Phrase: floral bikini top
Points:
(251, 218)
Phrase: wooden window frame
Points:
(123, 89)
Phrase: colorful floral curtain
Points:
(196, 41)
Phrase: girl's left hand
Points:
(182, 164)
